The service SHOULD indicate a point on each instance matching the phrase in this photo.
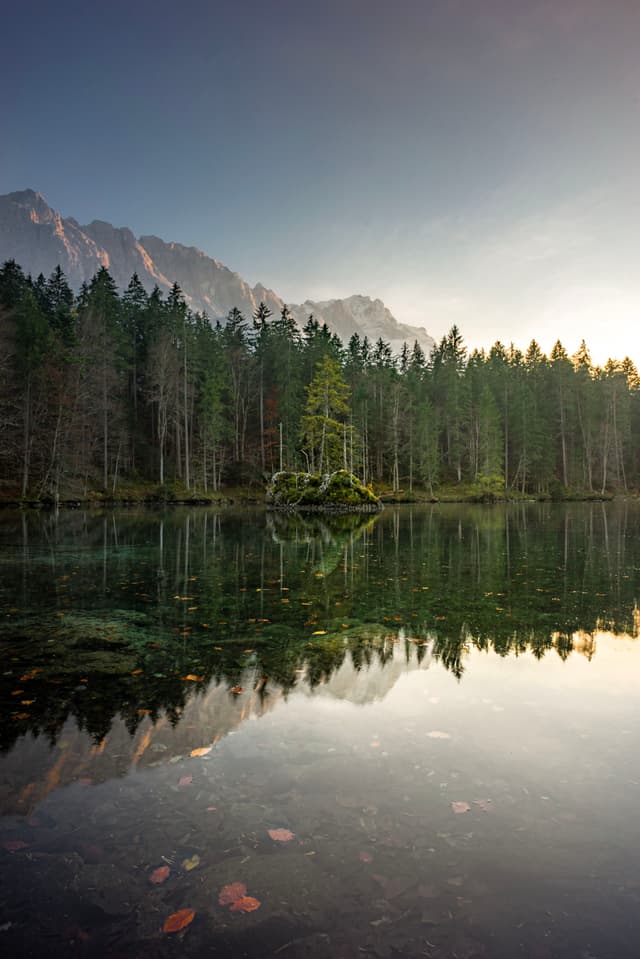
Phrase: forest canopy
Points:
(102, 387)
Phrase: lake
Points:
(413, 734)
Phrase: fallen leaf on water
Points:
(193, 679)
(189, 864)
(178, 920)
(185, 780)
(201, 751)
(319, 632)
(438, 734)
(231, 893)
(460, 807)
(136, 672)
(237, 689)
(484, 804)
(13, 845)
(246, 904)
(30, 675)
(281, 835)
(159, 875)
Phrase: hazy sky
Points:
(468, 161)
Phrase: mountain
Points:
(362, 315)
(39, 238)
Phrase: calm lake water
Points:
(416, 734)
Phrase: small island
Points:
(336, 492)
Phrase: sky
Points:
(468, 161)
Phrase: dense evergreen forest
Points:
(104, 389)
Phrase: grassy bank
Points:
(140, 493)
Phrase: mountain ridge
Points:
(39, 238)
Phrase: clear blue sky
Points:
(469, 161)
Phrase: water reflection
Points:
(440, 705)
(124, 614)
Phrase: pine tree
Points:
(327, 437)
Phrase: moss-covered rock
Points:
(339, 491)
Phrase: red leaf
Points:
(178, 920)
(281, 835)
(232, 893)
(159, 875)
(13, 845)
(245, 904)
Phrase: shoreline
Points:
(245, 497)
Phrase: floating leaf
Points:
(231, 893)
(237, 689)
(460, 807)
(484, 804)
(178, 920)
(319, 632)
(185, 780)
(189, 864)
(281, 835)
(159, 875)
(438, 734)
(246, 904)
(201, 751)
(193, 679)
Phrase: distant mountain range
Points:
(39, 238)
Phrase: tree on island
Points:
(328, 439)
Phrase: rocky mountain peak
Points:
(39, 238)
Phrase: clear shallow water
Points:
(441, 705)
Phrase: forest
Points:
(103, 390)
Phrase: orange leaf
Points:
(201, 751)
(232, 893)
(159, 875)
(246, 904)
(193, 679)
(460, 807)
(178, 920)
(237, 689)
(281, 835)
